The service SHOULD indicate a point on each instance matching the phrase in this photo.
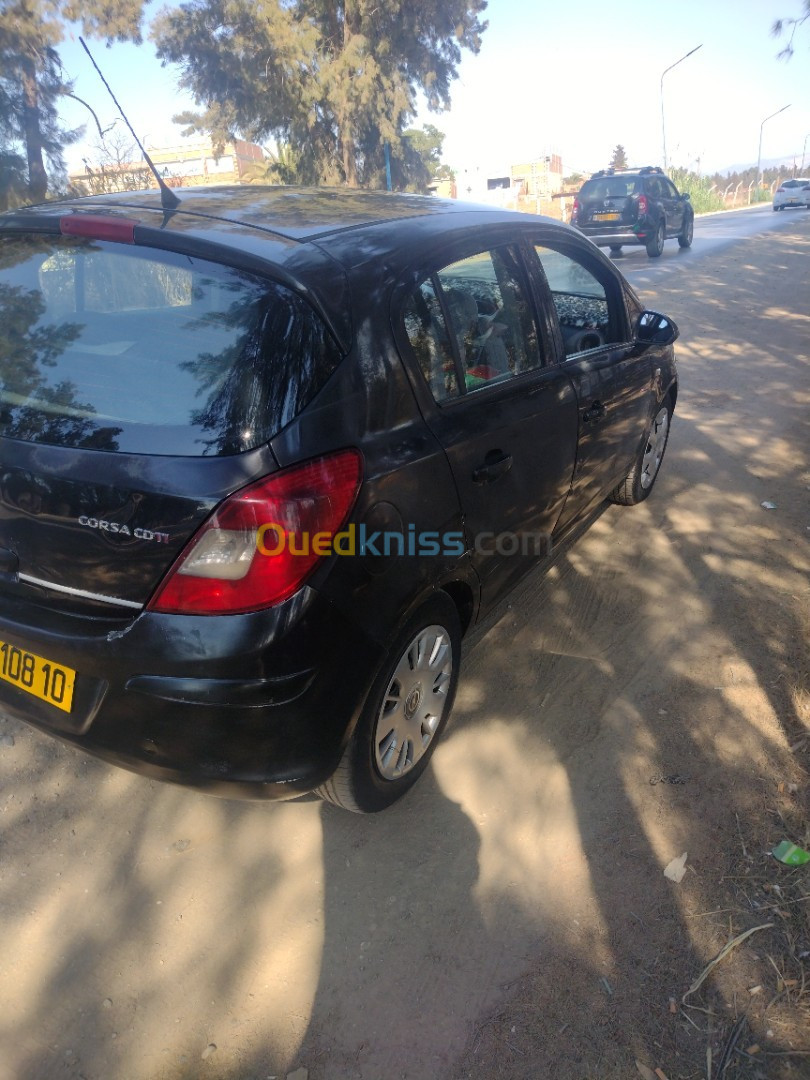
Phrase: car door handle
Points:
(595, 413)
(491, 470)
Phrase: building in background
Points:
(443, 187)
(529, 186)
(195, 162)
(541, 178)
(187, 164)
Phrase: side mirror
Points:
(686, 196)
(653, 328)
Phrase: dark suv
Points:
(266, 456)
(633, 206)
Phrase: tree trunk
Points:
(37, 177)
(349, 156)
(345, 132)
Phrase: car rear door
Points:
(584, 299)
(505, 416)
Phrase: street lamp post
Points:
(803, 150)
(663, 125)
(761, 126)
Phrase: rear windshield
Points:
(112, 347)
(610, 187)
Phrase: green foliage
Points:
(32, 141)
(281, 166)
(619, 159)
(334, 81)
(716, 192)
(702, 192)
(421, 158)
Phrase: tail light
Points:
(576, 210)
(642, 206)
(264, 541)
(781, 188)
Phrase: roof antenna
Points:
(168, 199)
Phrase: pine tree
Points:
(335, 81)
(782, 26)
(619, 159)
(32, 141)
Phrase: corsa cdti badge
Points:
(123, 530)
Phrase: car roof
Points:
(297, 234)
(295, 213)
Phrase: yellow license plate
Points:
(608, 217)
(45, 680)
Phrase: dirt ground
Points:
(650, 696)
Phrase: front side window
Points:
(581, 303)
(119, 348)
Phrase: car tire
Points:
(404, 714)
(615, 249)
(639, 482)
(685, 238)
(776, 208)
(656, 245)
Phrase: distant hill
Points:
(767, 163)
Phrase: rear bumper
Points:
(606, 238)
(247, 706)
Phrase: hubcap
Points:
(414, 703)
(656, 444)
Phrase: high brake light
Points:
(261, 543)
(98, 227)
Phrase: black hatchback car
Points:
(633, 206)
(264, 458)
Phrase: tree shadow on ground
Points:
(510, 917)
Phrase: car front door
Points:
(612, 376)
(505, 416)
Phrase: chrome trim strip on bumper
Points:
(79, 592)
(605, 239)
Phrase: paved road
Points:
(713, 234)
(152, 933)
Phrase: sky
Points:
(575, 80)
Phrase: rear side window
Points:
(427, 333)
(135, 350)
